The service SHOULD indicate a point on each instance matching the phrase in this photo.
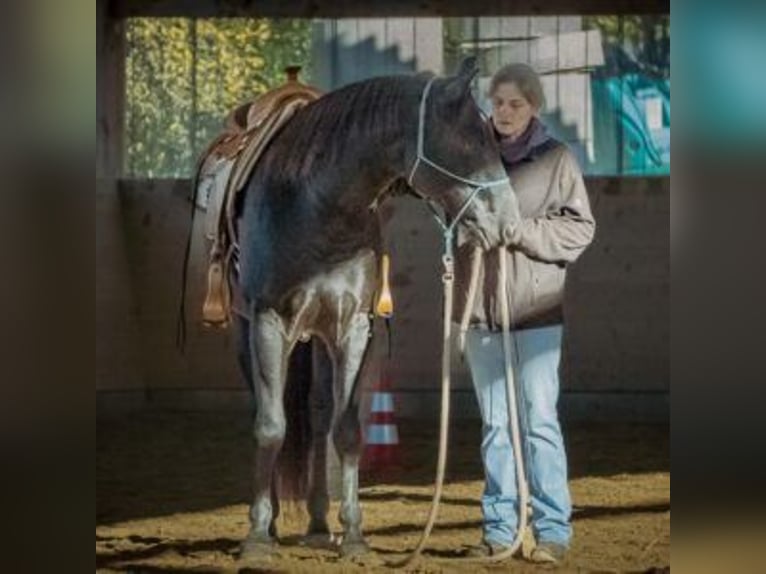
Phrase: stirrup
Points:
(216, 309)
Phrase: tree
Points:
(644, 38)
(184, 75)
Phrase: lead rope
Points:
(477, 260)
(513, 417)
(513, 414)
(448, 282)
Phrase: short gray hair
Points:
(525, 78)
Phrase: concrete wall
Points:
(616, 360)
(153, 223)
(118, 359)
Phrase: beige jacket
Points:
(556, 227)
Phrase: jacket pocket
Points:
(519, 290)
(547, 286)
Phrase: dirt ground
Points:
(172, 494)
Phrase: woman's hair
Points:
(525, 78)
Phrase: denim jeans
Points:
(537, 352)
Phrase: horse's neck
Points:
(361, 179)
(343, 192)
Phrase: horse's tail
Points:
(293, 465)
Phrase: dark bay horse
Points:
(309, 246)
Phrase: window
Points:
(606, 81)
(184, 75)
(606, 78)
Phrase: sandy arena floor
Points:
(172, 493)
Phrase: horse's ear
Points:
(468, 68)
(460, 84)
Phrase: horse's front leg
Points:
(347, 434)
(269, 350)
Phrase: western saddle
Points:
(248, 130)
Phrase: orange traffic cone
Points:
(381, 434)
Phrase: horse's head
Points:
(455, 153)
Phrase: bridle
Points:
(420, 158)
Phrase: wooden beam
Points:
(390, 8)
(110, 94)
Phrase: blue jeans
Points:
(537, 383)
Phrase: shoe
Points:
(548, 553)
(487, 549)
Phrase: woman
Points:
(556, 227)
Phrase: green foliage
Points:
(645, 37)
(184, 75)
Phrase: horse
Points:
(309, 242)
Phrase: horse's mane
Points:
(327, 129)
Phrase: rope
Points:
(477, 261)
(448, 281)
(513, 413)
(513, 417)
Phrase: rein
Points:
(448, 277)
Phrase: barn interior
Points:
(173, 428)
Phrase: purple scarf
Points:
(514, 152)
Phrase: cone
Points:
(381, 451)
(216, 308)
(385, 305)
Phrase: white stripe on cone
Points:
(382, 434)
(382, 402)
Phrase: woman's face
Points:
(511, 111)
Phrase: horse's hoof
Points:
(352, 548)
(258, 548)
(320, 540)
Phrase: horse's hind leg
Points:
(245, 362)
(244, 356)
(269, 349)
(321, 400)
(347, 430)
